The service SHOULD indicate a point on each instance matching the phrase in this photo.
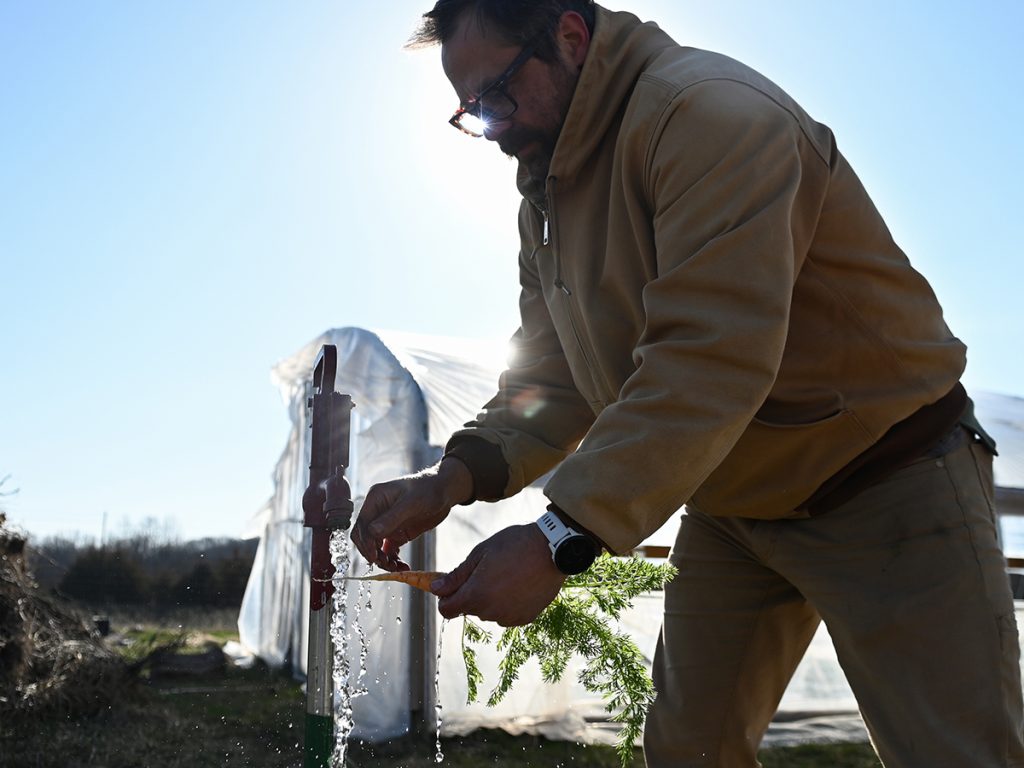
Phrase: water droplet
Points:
(398, 619)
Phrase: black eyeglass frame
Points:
(472, 107)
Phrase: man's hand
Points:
(396, 512)
(508, 578)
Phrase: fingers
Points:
(447, 585)
(389, 557)
(469, 591)
(508, 578)
(374, 503)
(458, 604)
(378, 523)
(456, 592)
(393, 514)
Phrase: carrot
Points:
(418, 579)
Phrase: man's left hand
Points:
(508, 578)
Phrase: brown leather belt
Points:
(934, 427)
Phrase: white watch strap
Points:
(554, 530)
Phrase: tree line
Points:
(144, 570)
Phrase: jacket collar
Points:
(621, 49)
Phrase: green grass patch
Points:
(135, 642)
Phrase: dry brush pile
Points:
(51, 662)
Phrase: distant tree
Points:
(102, 576)
(145, 569)
(50, 559)
(160, 591)
(198, 587)
(233, 577)
(150, 537)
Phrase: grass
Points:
(244, 718)
(498, 748)
(255, 718)
(821, 756)
(485, 747)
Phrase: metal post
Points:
(326, 506)
(422, 641)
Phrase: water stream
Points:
(439, 756)
(347, 625)
(364, 594)
(347, 687)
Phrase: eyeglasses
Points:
(493, 103)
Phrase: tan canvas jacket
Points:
(713, 311)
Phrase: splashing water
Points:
(341, 557)
(439, 756)
(357, 625)
(347, 687)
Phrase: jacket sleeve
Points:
(734, 188)
(537, 416)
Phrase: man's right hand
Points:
(396, 512)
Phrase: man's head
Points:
(547, 39)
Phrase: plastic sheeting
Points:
(1002, 416)
(388, 439)
(411, 392)
(409, 395)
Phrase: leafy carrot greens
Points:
(580, 620)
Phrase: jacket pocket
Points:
(773, 468)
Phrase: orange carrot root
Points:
(418, 579)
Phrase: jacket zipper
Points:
(588, 358)
(559, 283)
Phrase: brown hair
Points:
(518, 22)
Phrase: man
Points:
(714, 313)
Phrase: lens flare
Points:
(474, 124)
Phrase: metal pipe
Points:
(422, 642)
(326, 506)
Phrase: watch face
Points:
(575, 555)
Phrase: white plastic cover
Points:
(411, 392)
(1002, 416)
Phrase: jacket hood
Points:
(620, 50)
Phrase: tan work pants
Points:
(912, 585)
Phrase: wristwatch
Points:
(571, 551)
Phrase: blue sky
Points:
(190, 191)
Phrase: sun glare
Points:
(473, 123)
